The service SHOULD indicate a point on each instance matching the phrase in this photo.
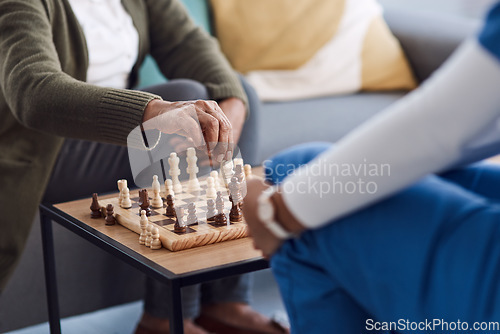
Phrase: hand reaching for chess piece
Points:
(202, 122)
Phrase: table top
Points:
(180, 262)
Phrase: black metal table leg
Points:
(50, 274)
(175, 308)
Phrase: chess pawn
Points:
(192, 170)
(144, 225)
(211, 190)
(155, 238)
(192, 219)
(235, 215)
(110, 219)
(211, 210)
(215, 175)
(220, 217)
(149, 238)
(179, 225)
(121, 185)
(126, 202)
(169, 188)
(248, 171)
(170, 211)
(157, 202)
(174, 172)
(95, 207)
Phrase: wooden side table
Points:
(175, 269)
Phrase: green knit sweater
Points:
(44, 97)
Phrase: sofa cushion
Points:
(309, 48)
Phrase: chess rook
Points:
(174, 171)
(144, 202)
(192, 170)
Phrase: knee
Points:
(279, 166)
(180, 90)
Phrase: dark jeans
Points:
(85, 167)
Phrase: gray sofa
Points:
(90, 279)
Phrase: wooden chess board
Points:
(196, 235)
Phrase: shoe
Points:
(214, 325)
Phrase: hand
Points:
(235, 111)
(262, 236)
(202, 122)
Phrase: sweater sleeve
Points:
(183, 50)
(425, 132)
(42, 97)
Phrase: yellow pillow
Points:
(295, 49)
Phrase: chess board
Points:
(196, 235)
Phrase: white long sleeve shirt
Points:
(454, 113)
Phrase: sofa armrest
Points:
(428, 39)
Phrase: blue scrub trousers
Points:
(431, 251)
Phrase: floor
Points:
(122, 319)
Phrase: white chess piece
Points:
(248, 171)
(121, 184)
(215, 175)
(192, 170)
(157, 202)
(174, 171)
(227, 172)
(149, 238)
(211, 191)
(169, 188)
(155, 238)
(126, 202)
(238, 161)
(144, 225)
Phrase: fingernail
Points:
(220, 157)
(229, 155)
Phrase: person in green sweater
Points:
(66, 71)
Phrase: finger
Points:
(225, 139)
(190, 128)
(210, 127)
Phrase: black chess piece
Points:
(95, 207)
(144, 203)
(179, 225)
(170, 211)
(110, 219)
(235, 215)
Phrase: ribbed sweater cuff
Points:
(121, 112)
(226, 87)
